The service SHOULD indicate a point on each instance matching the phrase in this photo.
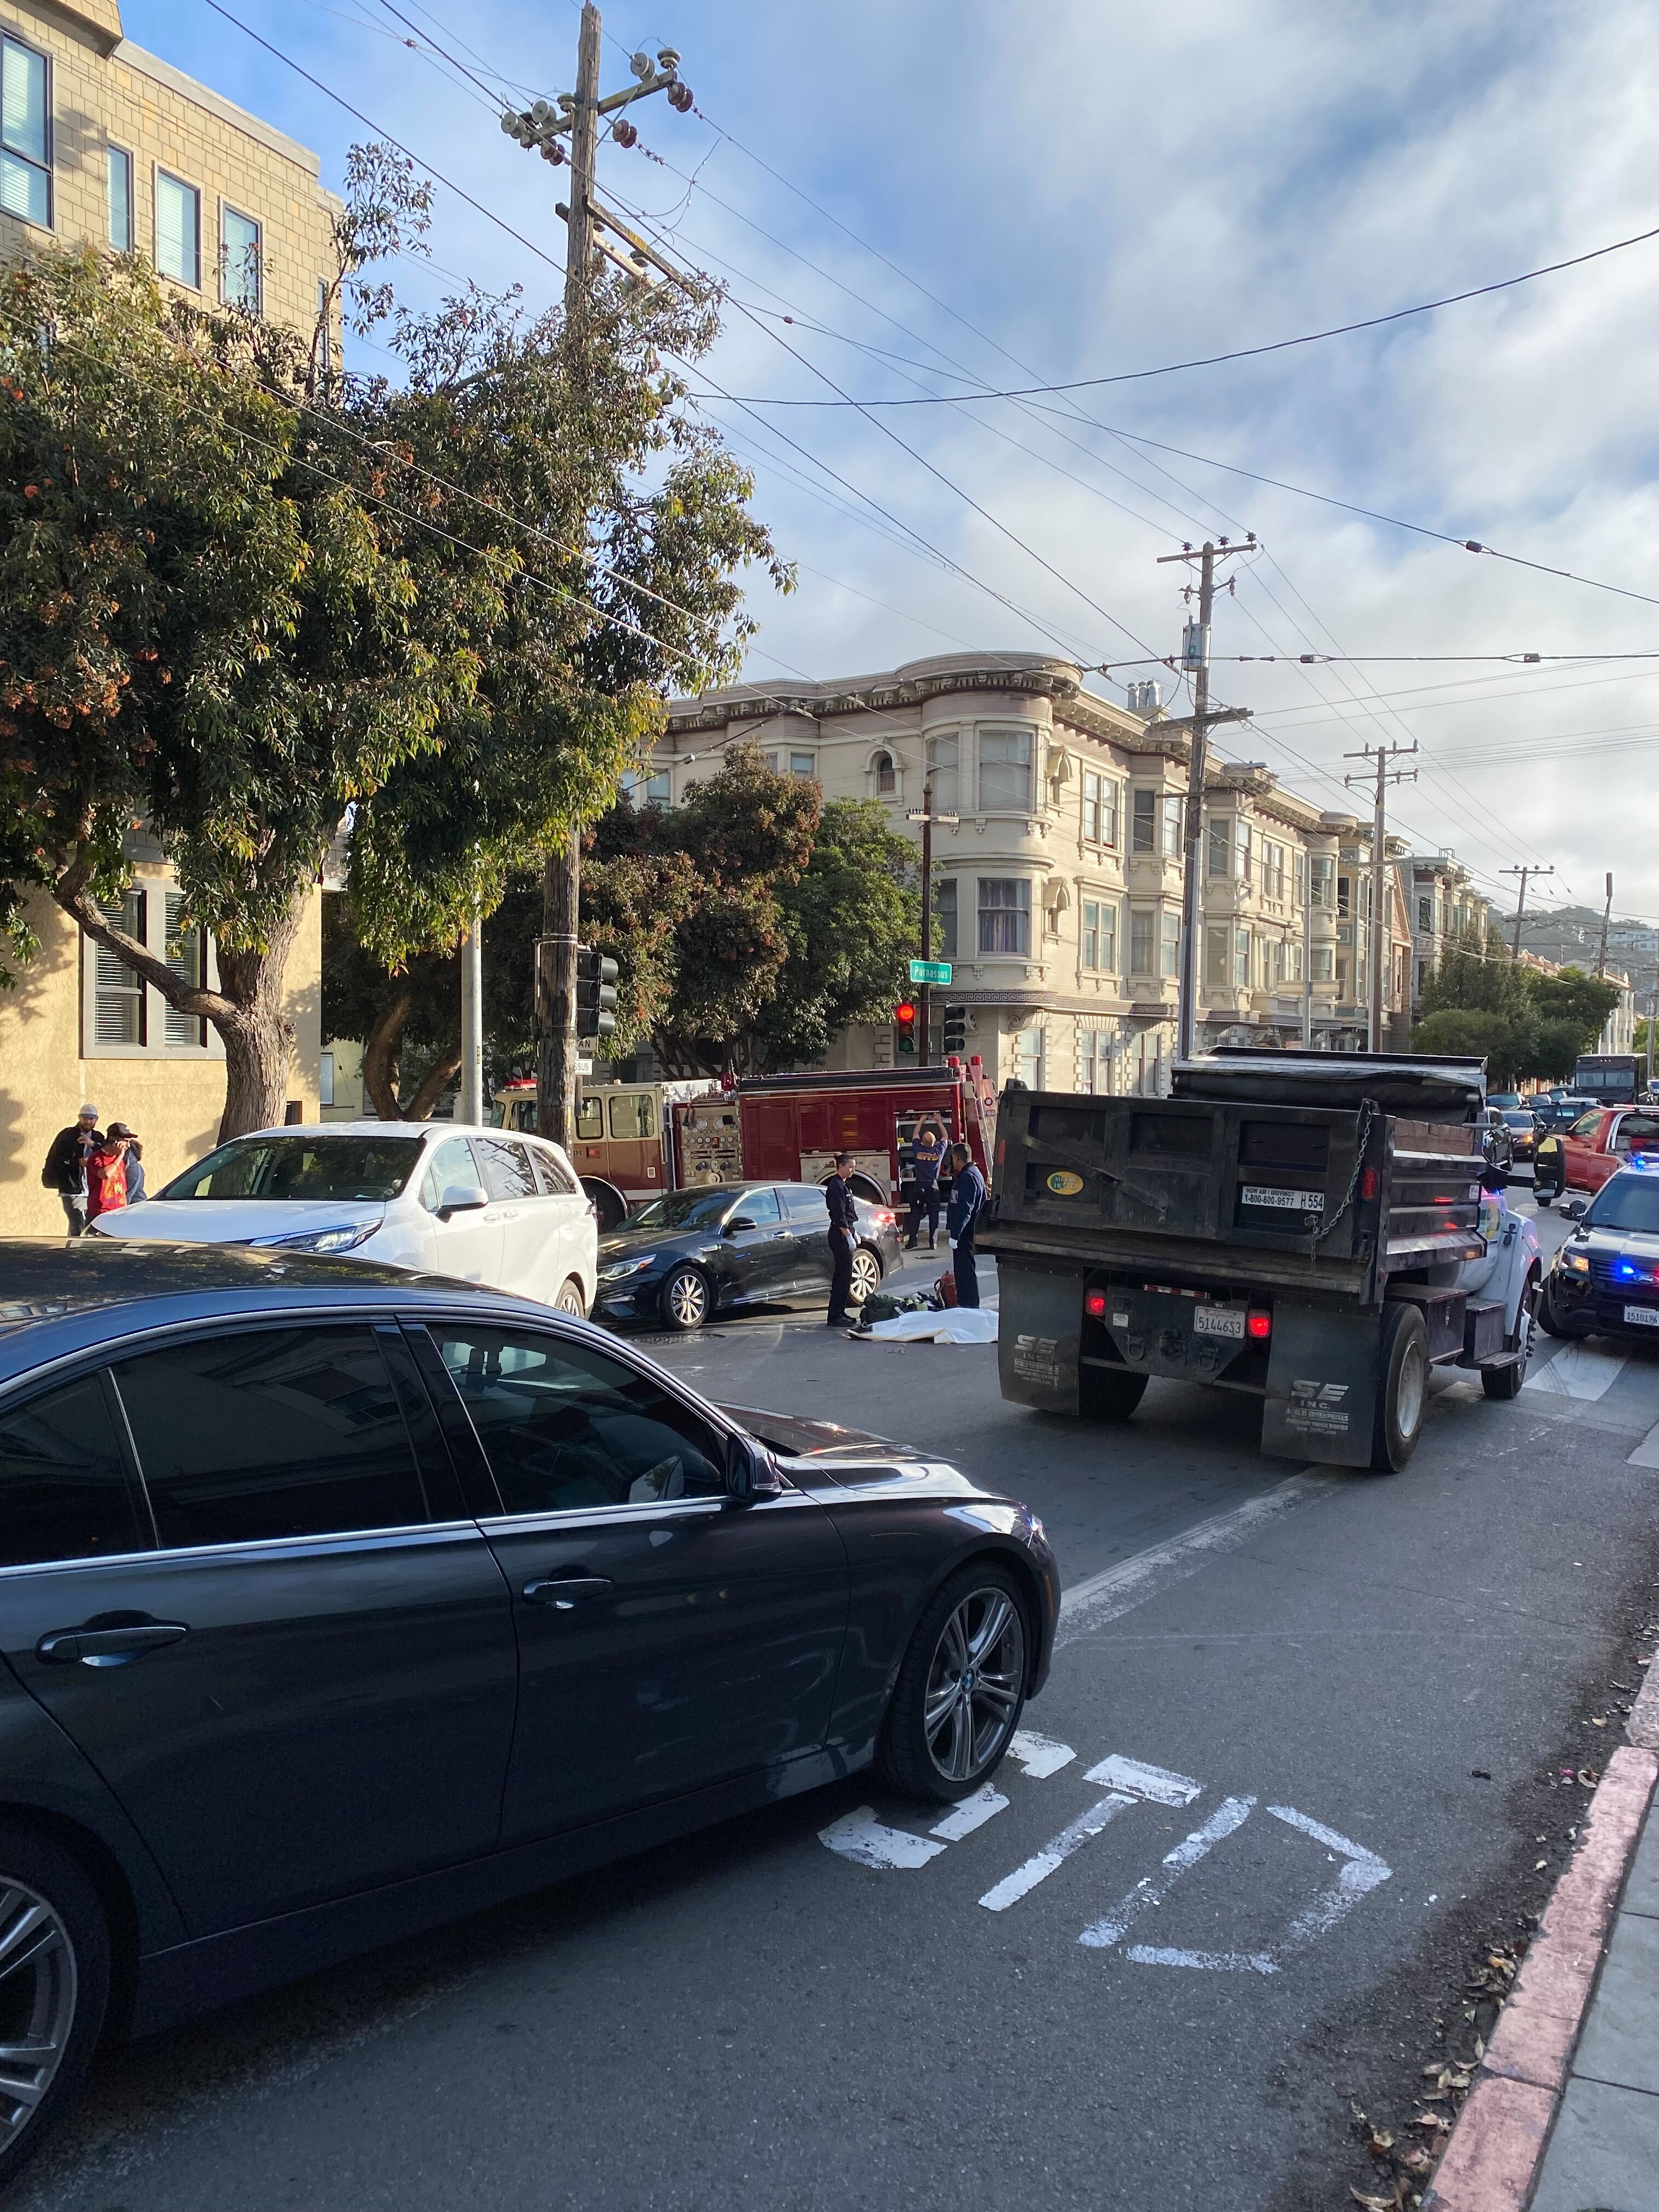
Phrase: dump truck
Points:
(1314, 1229)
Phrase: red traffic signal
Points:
(904, 1013)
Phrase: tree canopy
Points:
(1523, 1022)
(249, 603)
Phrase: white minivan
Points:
(485, 1206)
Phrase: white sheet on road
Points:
(955, 1325)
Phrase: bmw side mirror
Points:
(462, 1198)
(750, 1473)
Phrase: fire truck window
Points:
(633, 1115)
(554, 1179)
(590, 1121)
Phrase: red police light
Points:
(904, 1013)
(1259, 1325)
(1094, 1304)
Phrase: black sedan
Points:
(1604, 1281)
(716, 1247)
(337, 1601)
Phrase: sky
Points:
(947, 200)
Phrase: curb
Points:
(1492, 2157)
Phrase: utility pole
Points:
(1607, 916)
(1196, 658)
(1307, 949)
(1521, 904)
(540, 128)
(924, 996)
(472, 1098)
(1380, 937)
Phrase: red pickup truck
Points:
(1582, 1156)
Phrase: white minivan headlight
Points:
(346, 1238)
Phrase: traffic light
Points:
(904, 1021)
(956, 1029)
(596, 993)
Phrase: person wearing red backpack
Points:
(106, 1177)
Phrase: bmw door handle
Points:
(564, 1591)
(108, 1647)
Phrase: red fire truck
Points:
(636, 1140)
(791, 1127)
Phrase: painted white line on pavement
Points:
(972, 1813)
(1040, 1755)
(1042, 1863)
(1361, 1873)
(868, 1842)
(1647, 1452)
(1578, 1370)
(1154, 1781)
(1101, 1935)
(1107, 1596)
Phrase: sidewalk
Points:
(1604, 2148)
(1564, 2115)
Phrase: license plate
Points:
(1642, 1316)
(1220, 1321)
(1289, 1201)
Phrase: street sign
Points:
(930, 971)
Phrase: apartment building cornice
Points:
(941, 674)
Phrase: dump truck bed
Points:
(1332, 1199)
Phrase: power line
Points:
(1242, 353)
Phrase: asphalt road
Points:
(1346, 1689)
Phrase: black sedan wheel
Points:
(961, 1689)
(54, 1982)
(685, 1299)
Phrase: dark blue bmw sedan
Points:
(336, 1602)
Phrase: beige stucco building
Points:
(1058, 890)
(102, 142)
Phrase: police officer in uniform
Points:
(844, 1239)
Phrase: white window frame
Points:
(1021, 733)
(947, 798)
(1021, 909)
(227, 209)
(45, 168)
(155, 1014)
(115, 151)
(1143, 923)
(158, 176)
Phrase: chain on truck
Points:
(1313, 1230)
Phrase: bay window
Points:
(1005, 914)
(1005, 771)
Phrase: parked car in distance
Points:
(1502, 1099)
(1593, 1149)
(336, 1602)
(1496, 1140)
(715, 1247)
(1604, 1280)
(1523, 1132)
(484, 1206)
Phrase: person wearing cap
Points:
(66, 1170)
(106, 1174)
(132, 1159)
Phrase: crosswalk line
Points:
(1578, 1370)
(1647, 1452)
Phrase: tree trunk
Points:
(436, 1080)
(381, 1047)
(259, 1040)
(247, 1009)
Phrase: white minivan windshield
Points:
(298, 1168)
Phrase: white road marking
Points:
(1107, 1596)
(1578, 1370)
(1101, 1935)
(1040, 1755)
(868, 1842)
(1154, 1781)
(1226, 1962)
(1042, 1863)
(1647, 1452)
(1362, 1872)
(972, 1813)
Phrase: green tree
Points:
(1477, 1033)
(197, 630)
(853, 918)
(1477, 973)
(1557, 1041)
(1571, 996)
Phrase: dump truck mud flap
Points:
(1041, 1314)
(1321, 1385)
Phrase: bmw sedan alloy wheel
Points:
(54, 1981)
(975, 1683)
